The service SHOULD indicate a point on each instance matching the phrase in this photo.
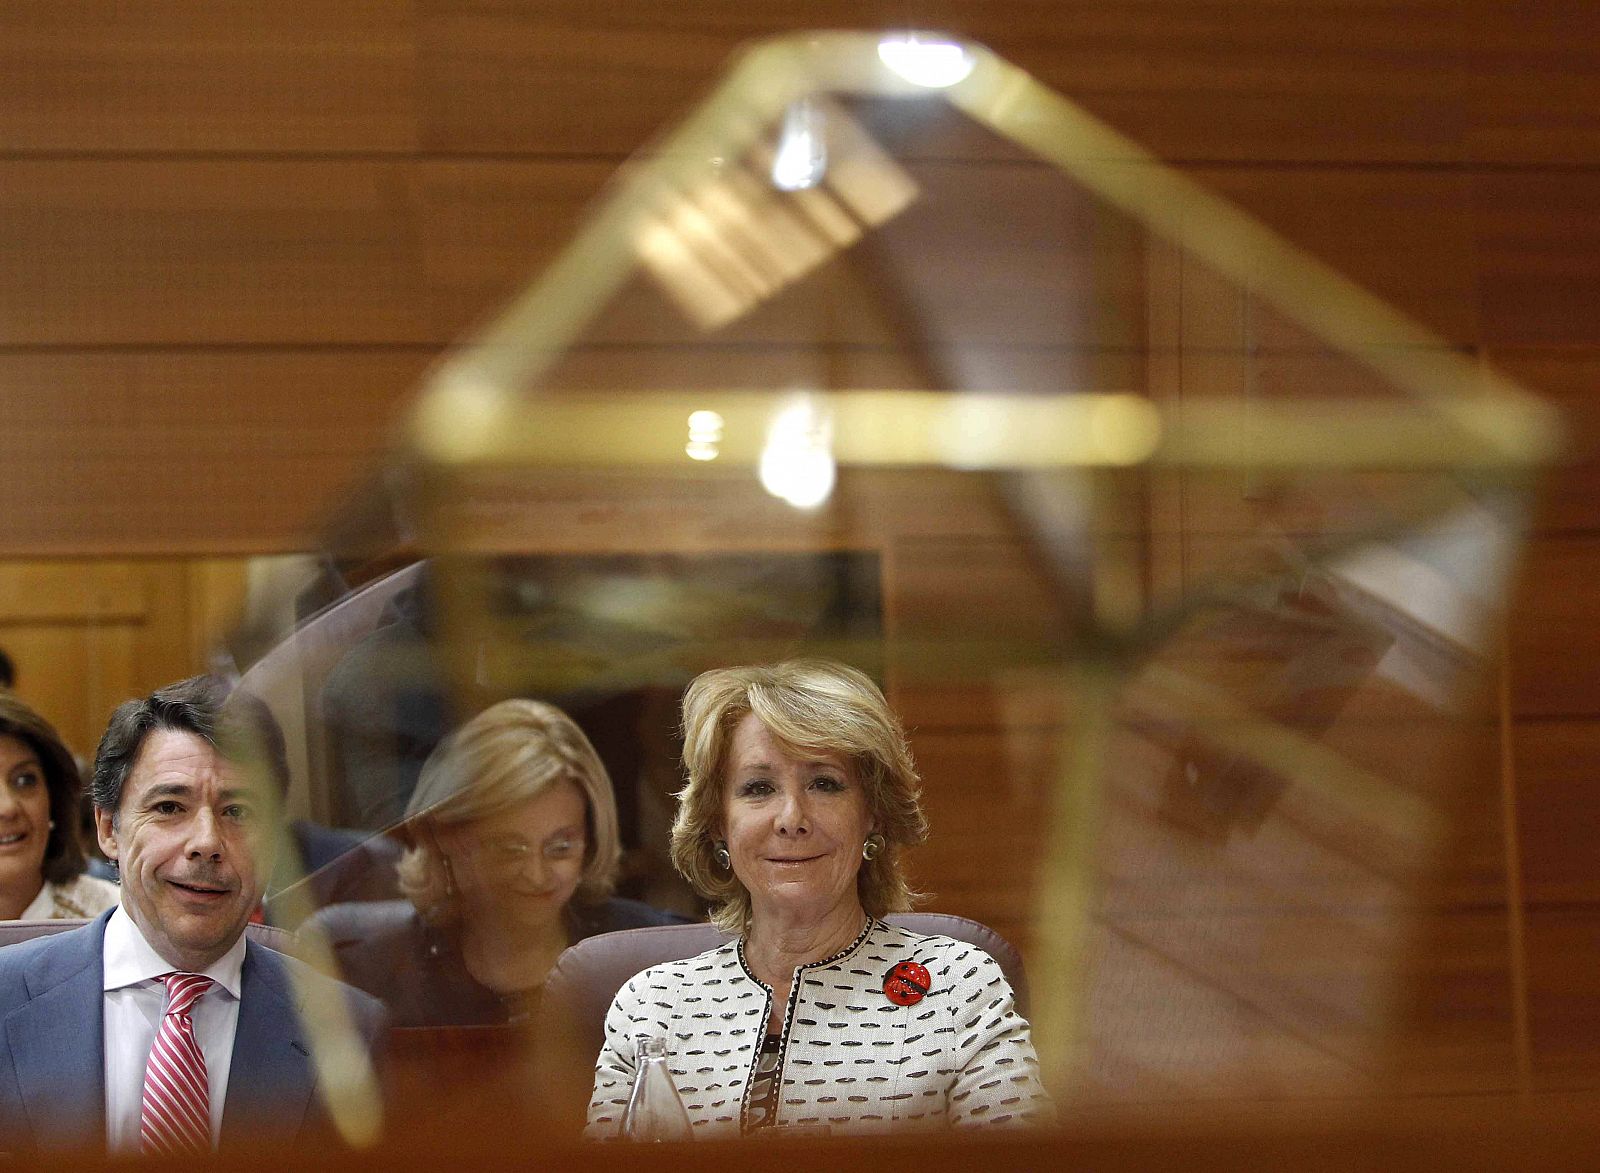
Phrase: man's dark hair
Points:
(239, 726)
(8, 670)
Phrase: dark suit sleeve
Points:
(365, 1016)
(51, 1051)
(15, 1137)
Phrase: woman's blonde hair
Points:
(807, 705)
(509, 753)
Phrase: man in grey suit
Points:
(103, 1041)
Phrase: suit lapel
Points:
(57, 1041)
(270, 1081)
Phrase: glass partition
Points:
(1178, 557)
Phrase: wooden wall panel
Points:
(73, 675)
(362, 253)
(1442, 80)
(207, 252)
(181, 451)
(1557, 764)
(1556, 756)
(487, 227)
(1158, 1033)
(1564, 996)
(1435, 81)
(86, 636)
(207, 75)
(1362, 81)
(1533, 81)
(112, 592)
(1538, 244)
(557, 77)
(218, 590)
(987, 599)
(1349, 82)
(410, 255)
(1569, 499)
(1186, 81)
(986, 794)
(1405, 234)
(236, 231)
(1555, 641)
(1455, 1022)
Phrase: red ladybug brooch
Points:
(907, 983)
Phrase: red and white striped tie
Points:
(177, 1100)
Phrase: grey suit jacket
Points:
(52, 1058)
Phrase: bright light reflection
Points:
(797, 462)
(934, 64)
(1125, 428)
(705, 423)
(705, 434)
(802, 154)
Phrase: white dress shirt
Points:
(134, 1001)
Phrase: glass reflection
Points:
(1138, 515)
(514, 854)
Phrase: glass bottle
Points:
(655, 1111)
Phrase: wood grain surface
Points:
(235, 234)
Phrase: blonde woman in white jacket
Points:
(801, 798)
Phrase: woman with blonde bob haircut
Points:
(514, 855)
(801, 800)
(509, 754)
(810, 704)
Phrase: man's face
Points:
(186, 838)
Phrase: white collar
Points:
(130, 959)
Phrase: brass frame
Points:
(1457, 415)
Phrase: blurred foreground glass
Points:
(1180, 556)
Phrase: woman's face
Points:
(518, 869)
(794, 826)
(24, 820)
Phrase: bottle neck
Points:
(652, 1049)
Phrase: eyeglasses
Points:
(512, 854)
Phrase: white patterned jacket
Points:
(850, 1058)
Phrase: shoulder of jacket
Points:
(303, 980)
(687, 971)
(927, 944)
(54, 950)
